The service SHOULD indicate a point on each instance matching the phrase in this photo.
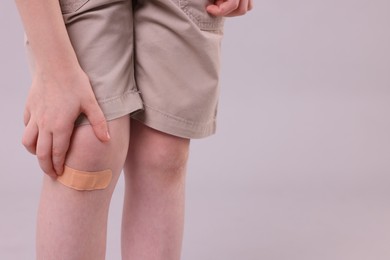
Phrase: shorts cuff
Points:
(116, 107)
(174, 125)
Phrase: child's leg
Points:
(72, 223)
(153, 216)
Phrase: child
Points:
(119, 85)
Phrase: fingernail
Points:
(108, 136)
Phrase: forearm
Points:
(47, 35)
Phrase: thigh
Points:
(68, 218)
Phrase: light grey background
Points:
(300, 166)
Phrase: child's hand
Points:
(52, 107)
(230, 7)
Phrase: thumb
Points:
(97, 120)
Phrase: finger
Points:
(61, 143)
(30, 136)
(44, 148)
(250, 5)
(219, 2)
(26, 116)
(97, 120)
(223, 8)
(240, 10)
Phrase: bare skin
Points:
(153, 210)
(72, 224)
(60, 89)
(230, 8)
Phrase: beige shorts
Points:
(158, 60)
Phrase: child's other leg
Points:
(153, 215)
(71, 223)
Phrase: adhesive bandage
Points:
(81, 180)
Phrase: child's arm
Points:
(45, 30)
(230, 7)
(60, 89)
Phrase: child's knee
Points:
(87, 153)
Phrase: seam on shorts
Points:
(179, 118)
(207, 26)
(72, 7)
(114, 98)
(127, 103)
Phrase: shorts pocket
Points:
(196, 11)
(70, 6)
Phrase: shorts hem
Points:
(174, 125)
(113, 108)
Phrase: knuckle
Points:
(60, 127)
(58, 153)
(26, 142)
(29, 144)
(241, 10)
(42, 122)
(43, 156)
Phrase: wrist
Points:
(62, 72)
(57, 64)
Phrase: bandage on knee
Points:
(81, 180)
